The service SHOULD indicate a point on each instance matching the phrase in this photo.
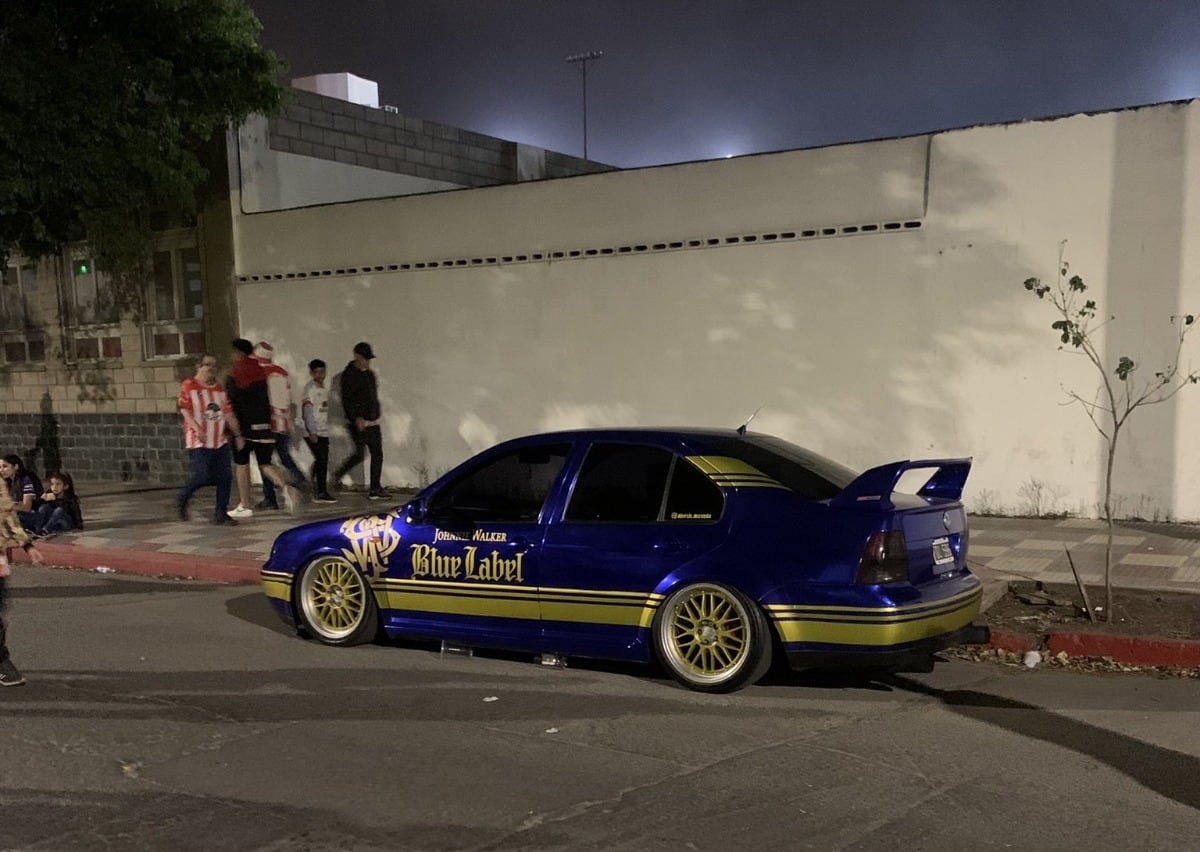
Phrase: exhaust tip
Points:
(976, 634)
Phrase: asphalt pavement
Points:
(181, 716)
(133, 528)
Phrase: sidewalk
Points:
(1163, 557)
(133, 529)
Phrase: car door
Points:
(471, 569)
(636, 513)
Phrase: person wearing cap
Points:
(279, 393)
(251, 422)
(360, 399)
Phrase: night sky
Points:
(698, 79)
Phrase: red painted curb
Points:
(1017, 643)
(219, 569)
(1135, 650)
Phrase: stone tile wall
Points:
(126, 447)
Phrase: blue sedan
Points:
(712, 552)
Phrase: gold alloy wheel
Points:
(334, 599)
(706, 634)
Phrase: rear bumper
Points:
(890, 657)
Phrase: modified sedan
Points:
(709, 551)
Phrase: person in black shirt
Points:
(246, 387)
(360, 399)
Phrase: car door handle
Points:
(672, 546)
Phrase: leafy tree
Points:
(106, 107)
(1115, 400)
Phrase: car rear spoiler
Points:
(874, 487)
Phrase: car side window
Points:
(692, 497)
(620, 483)
(510, 487)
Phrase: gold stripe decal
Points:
(278, 589)
(876, 627)
(808, 609)
(729, 472)
(593, 606)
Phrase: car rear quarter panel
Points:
(798, 560)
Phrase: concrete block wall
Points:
(316, 126)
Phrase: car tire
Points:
(334, 603)
(712, 638)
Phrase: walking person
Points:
(246, 386)
(11, 535)
(279, 392)
(314, 414)
(207, 419)
(360, 399)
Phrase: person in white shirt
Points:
(314, 412)
(279, 391)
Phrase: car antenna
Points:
(741, 430)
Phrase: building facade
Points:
(90, 370)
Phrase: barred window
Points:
(174, 325)
(22, 336)
(18, 297)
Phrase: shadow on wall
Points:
(135, 469)
(47, 446)
(94, 385)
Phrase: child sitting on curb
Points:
(59, 510)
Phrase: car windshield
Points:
(810, 475)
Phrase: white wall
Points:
(915, 343)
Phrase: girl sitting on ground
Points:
(20, 483)
(60, 510)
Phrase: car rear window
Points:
(809, 474)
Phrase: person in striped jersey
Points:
(207, 423)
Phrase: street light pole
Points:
(582, 60)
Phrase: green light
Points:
(82, 268)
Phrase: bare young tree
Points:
(1114, 400)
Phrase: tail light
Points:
(884, 559)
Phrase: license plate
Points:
(942, 554)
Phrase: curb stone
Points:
(226, 569)
(1135, 650)
(1132, 650)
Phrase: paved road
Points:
(177, 715)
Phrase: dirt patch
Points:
(1035, 609)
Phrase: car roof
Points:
(688, 434)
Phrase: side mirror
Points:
(415, 512)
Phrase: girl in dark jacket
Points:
(60, 510)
